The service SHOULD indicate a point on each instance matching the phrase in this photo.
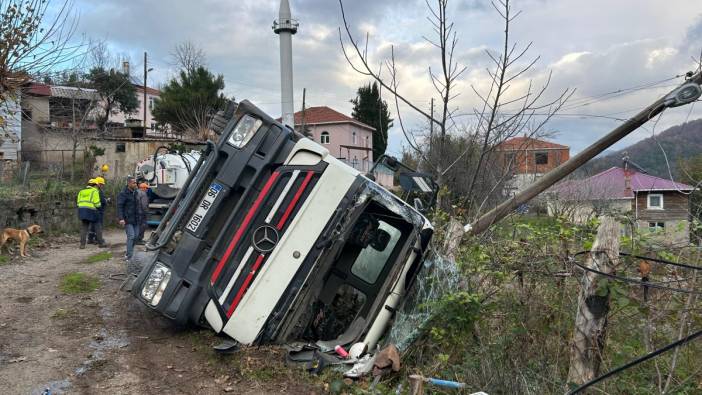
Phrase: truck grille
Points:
(267, 218)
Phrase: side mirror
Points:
(391, 162)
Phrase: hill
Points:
(679, 142)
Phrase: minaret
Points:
(285, 27)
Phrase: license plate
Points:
(205, 204)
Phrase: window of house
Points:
(655, 201)
(153, 126)
(541, 158)
(151, 103)
(511, 161)
(27, 114)
(324, 139)
(656, 226)
(353, 138)
(367, 142)
(120, 147)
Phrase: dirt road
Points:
(106, 342)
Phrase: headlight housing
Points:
(156, 284)
(243, 131)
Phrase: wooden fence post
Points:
(590, 329)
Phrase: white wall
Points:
(10, 128)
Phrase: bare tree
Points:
(188, 56)
(502, 113)
(34, 40)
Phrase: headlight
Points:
(244, 130)
(156, 284)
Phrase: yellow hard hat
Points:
(105, 168)
(92, 181)
(100, 180)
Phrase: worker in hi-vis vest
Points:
(88, 202)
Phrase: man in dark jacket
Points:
(127, 214)
(143, 198)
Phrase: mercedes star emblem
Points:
(265, 238)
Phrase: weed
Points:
(4, 260)
(99, 257)
(75, 283)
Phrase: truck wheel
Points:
(138, 261)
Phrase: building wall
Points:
(524, 161)
(45, 144)
(10, 129)
(676, 231)
(342, 134)
(675, 215)
(676, 206)
(36, 109)
(139, 113)
(583, 211)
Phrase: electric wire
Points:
(652, 354)
(637, 361)
(634, 281)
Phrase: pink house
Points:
(137, 118)
(345, 138)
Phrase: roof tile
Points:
(524, 142)
(326, 115)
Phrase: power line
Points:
(637, 361)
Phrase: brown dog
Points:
(20, 235)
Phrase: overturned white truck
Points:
(273, 240)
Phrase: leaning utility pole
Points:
(686, 93)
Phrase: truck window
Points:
(371, 261)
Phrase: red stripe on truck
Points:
(293, 202)
(245, 285)
(242, 228)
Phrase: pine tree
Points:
(187, 102)
(370, 109)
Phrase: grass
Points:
(63, 314)
(4, 260)
(99, 257)
(76, 283)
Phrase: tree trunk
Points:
(591, 320)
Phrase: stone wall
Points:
(56, 213)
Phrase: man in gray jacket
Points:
(143, 200)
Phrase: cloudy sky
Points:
(594, 46)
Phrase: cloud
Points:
(587, 45)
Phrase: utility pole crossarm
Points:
(686, 93)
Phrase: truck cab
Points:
(273, 240)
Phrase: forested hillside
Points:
(679, 143)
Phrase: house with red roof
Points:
(657, 205)
(345, 138)
(527, 159)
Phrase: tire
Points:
(138, 261)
